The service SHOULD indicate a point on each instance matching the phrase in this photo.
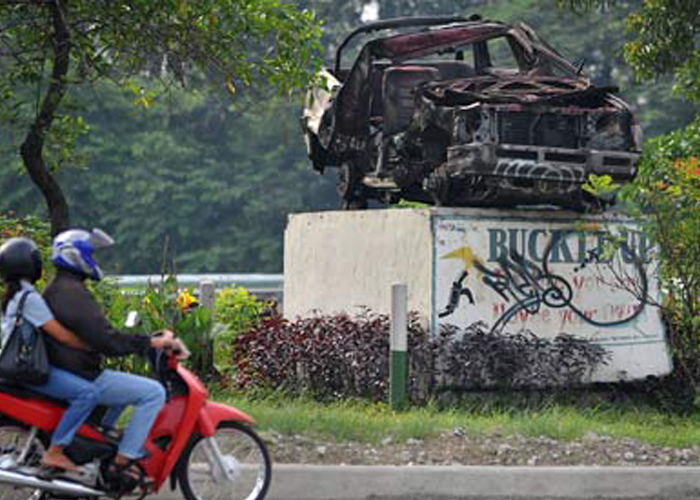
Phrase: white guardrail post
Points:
(398, 371)
(207, 294)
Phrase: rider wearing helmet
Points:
(74, 306)
(20, 268)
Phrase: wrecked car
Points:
(465, 112)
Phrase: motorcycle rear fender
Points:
(212, 414)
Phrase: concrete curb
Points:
(316, 482)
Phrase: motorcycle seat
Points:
(10, 387)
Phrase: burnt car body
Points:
(465, 112)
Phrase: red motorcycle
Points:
(208, 449)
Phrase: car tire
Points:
(350, 188)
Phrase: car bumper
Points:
(537, 163)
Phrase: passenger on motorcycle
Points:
(75, 307)
(20, 268)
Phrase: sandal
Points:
(124, 478)
(61, 462)
(129, 469)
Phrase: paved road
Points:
(291, 482)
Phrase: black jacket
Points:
(74, 306)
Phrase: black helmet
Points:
(20, 258)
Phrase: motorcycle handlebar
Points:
(176, 348)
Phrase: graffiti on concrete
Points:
(526, 286)
(458, 289)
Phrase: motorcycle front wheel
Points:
(247, 461)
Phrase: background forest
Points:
(209, 178)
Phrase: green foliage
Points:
(601, 185)
(237, 311)
(409, 204)
(208, 334)
(216, 177)
(31, 227)
(116, 305)
(50, 48)
(195, 329)
(213, 183)
(235, 43)
(359, 421)
(665, 198)
(665, 39)
(161, 310)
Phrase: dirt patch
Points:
(457, 448)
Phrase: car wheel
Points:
(437, 184)
(350, 188)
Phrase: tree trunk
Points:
(32, 149)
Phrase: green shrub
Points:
(665, 199)
(31, 227)
(208, 334)
(237, 311)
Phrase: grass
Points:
(370, 423)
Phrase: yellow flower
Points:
(186, 301)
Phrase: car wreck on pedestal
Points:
(465, 112)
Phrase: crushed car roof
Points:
(533, 54)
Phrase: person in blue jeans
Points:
(74, 306)
(20, 267)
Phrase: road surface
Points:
(310, 482)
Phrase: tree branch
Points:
(33, 145)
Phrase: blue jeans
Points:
(81, 395)
(114, 389)
(119, 390)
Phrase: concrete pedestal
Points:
(545, 271)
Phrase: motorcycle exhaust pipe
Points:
(54, 485)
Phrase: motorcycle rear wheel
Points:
(252, 466)
(13, 438)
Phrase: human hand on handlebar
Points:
(166, 341)
(180, 350)
(163, 339)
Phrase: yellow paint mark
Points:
(465, 254)
(590, 226)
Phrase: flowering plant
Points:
(665, 199)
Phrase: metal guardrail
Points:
(263, 284)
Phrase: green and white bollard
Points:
(398, 373)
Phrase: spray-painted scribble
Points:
(527, 285)
(458, 289)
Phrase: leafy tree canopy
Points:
(213, 178)
(666, 39)
(49, 46)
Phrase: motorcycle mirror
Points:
(132, 319)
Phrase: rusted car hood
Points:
(518, 89)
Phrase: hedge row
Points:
(331, 357)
